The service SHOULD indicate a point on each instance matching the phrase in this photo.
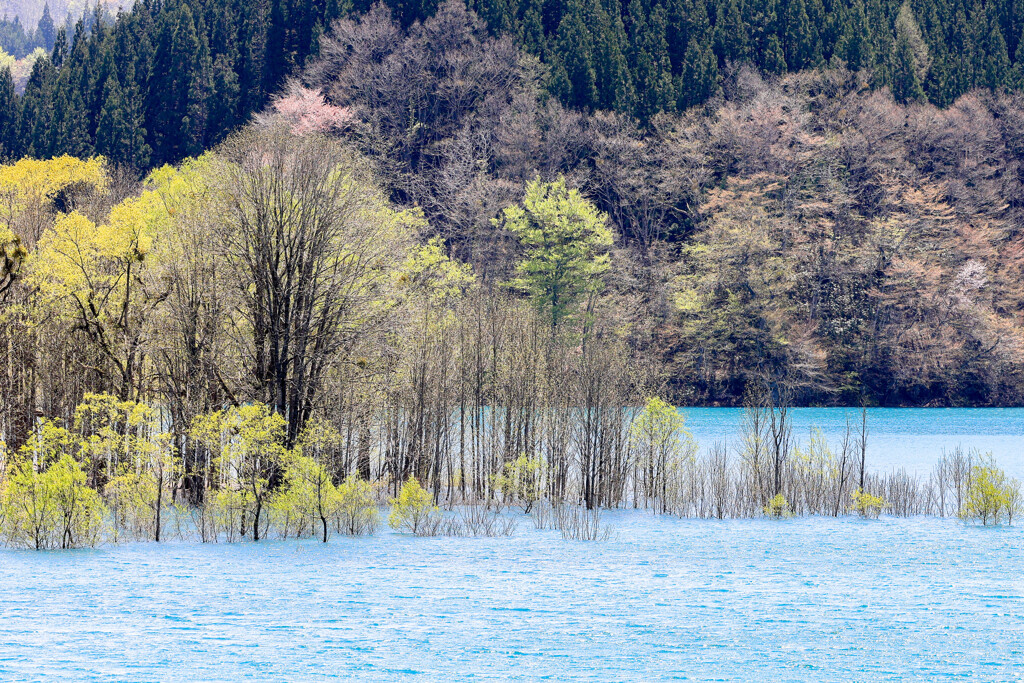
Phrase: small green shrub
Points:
(778, 507)
(867, 505)
(414, 511)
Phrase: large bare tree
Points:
(311, 243)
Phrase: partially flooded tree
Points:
(657, 437)
(250, 445)
(992, 496)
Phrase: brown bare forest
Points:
(803, 227)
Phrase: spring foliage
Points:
(992, 496)
(413, 510)
(564, 238)
(49, 506)
(522, 481)
(867, 505)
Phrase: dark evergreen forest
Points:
(170, 79)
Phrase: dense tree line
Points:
(29, 12)
(642, 57)
(806, 227)
(18, 42)
(162, 81)
(417, 266)
(169, 79)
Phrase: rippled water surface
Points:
(795, 600)
(810, 599)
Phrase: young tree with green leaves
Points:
(991, 495)
(565, 239)
(657, 434)
(249, 442)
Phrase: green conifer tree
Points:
(799, 38)
(906, 84)
(576, 53)
(10, 144)
(731, 36)
(700, 74)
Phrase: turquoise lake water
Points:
(813, 599)
(909, 438)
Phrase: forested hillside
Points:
(29, 12)
(382, 222)
(806, 226)
(180, 74)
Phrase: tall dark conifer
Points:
(37, 119)
(46, 28)
(700, 74)
(10, 144)
(799, 37)
(575, 48)
(906, 86)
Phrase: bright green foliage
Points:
(657, 429)
(80, 510)
(564, 237)
(102, 276)
(226, 510)
(51, 508)
(308, 500)
(310, 482)
(778, 507)
(48, 444)
(662, 444)
(867, 505)
(249, 441)
(991, 494)
(357, 512)
(430, 272)
(413, 510)
(522, 482)
(293, 506)
(120, 435)
(132, 497)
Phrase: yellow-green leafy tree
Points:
(131, 459)
(250, 443)
(659, 438)
(991, 494)
(31, 188)
(522, 482)
(311, 472)
(357, 512)
(430, 286)
(99, 277)
(33, 193)
(414, 510)
(46, 501)
(867, 505)
(565, 239)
